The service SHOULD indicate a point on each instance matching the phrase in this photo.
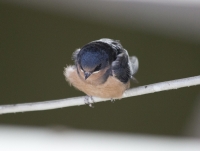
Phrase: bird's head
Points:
(93, 61)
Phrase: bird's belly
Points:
(112, 88)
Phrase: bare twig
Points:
(77, 101)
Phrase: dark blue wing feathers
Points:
(120, 68)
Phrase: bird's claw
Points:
(112, 100)
(87, 101)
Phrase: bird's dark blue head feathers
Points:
(95, 56)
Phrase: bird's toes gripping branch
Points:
(89, 100)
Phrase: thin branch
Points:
(77, 101)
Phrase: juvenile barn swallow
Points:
(102, 69)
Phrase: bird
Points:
(102, 68)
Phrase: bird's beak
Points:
(87, 74)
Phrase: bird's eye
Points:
(97, 68)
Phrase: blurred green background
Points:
(35, 46)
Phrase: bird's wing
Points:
(120, 67)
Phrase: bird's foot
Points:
(89, 100)
(112, 100)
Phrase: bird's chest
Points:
(112, 88)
